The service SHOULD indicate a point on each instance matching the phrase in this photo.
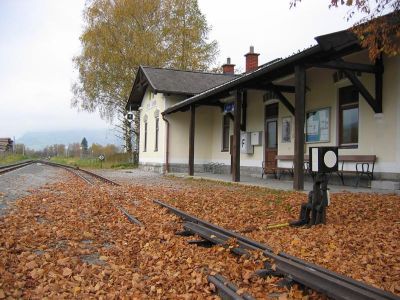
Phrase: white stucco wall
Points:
(212, 129)
(151, 104)
(255, 122)
(179, 137)
(208, 134)
(378, 134)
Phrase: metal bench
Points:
(290, 170)
(213, 167)
(364, 165)
(283, 170)
(264, 170)
(209, 167)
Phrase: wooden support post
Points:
(300, 77)
(244, 111)
(379, 84)
(191, 139)
(236, 137)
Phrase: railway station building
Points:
(263, 121)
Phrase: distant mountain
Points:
(39, 140)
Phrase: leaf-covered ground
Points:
(361, 238)
(69, 240)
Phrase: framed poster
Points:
(317, 125)
(286, 129)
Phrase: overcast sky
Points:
(38, 39)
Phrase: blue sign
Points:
(229, 107)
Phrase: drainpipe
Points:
(166, 145)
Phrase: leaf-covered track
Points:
(130, 218)
(85, 175)
(310, 275)
(88, 177)
(226, 289)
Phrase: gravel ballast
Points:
(20, 182)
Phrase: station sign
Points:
(229, 107)
(324, 159)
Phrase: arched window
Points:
(145, 133)
(157, 127)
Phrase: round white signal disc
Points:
(330, 159)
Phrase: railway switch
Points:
(323, 160)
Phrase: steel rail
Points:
(11, 167)
(226, 289)
(15, 164)
(130, 218)
(337, 275)
(332, 286)
(75, 171)
(106, 180)
(194, 219)
(67, 167)
(318, 278)
(217, 238)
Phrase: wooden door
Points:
(271, 138)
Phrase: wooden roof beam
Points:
(216, 104)
(376, 104)
(282, 99)
(347, 66)
(267, 87)
(361, 89)
(284, 88)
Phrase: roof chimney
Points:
(251, 60)
(228, 68)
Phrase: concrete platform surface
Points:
(282, 184)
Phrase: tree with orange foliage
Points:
(378, 29)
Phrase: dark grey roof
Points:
(329, 46)
(237, 82)
(183, 82)
(171, 81)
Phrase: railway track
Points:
(93, 179)
(12, 167)
(293, 269)
(87, 176)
